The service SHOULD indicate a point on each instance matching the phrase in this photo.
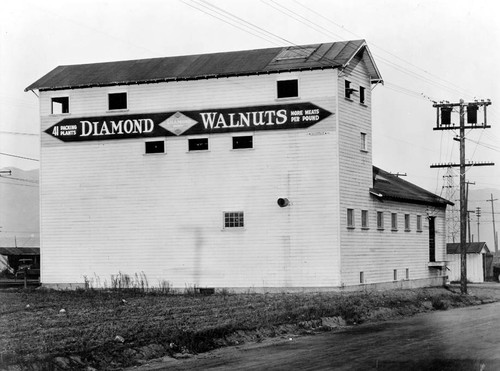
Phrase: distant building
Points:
(248, 169)
(479, 261)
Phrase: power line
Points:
(382, 49)
(21, 157)
(18, 133)
(19, 184)
(19, 179)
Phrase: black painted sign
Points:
(210, 121)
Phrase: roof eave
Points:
(377, 79)
(173, 79)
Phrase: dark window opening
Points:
(198, 144)
(243, 142)
(288, 88)
(117, 101)
(380, 220)
(432, 239)
(361, 95)
(364, 219)
(348, 90)
(394, 221)
(407, 222)
(155, 147)
(350, 218)
(60, 105)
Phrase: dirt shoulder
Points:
(122, 328)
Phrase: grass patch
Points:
(128, 322)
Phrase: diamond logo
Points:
(178, 123)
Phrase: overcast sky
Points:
(426, 50)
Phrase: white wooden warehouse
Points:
(249, 169)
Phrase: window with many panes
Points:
(364, 219)
(350, 218)
(234, 219)
(380, 220)
(59, 105)
(394, 221)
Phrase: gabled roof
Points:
(390, 187)
(471, 248)
(204, 66)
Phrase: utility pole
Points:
(495, 239)
(468, 225)
(452, 212)
(478, 214)
(443, 122)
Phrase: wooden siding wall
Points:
(375, 253)
(106, 207)
(475, 267)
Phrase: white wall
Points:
(106, 207)
(475, 267)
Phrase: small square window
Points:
(288, 88)
(234, 219)
(394, 221)
(155, 147)
(350, 218)
(380, 220)
(361, 95)
(363, 142)
(243, 142)
(419, 223)
(198, 144)
(364, 219)
(59, 105)
(347, 90)
(407, 222)
(117, 101)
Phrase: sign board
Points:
(210, 121)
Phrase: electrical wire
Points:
(16, 156)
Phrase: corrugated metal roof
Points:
(472, 248)
(246, 62)
(391, 187)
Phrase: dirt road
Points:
(458, 339)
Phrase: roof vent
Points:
(296, 52)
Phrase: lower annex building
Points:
(247, 169)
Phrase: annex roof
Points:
(213, 65)
(391, 187)
(471, 248)
(19, 246)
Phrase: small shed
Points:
(479, 259)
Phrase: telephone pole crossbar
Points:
(443, 122)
